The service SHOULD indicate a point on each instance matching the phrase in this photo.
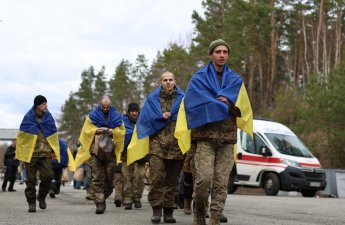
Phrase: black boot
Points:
(32, 207)
(157, 214)
(42, 203)
(4, 184)
(168, 215)
(100, 208)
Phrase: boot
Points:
(52, 193)
(42, 203)
(157, 214)
(117, 202)
(10, 188)
(128, 206)
(137, 204)
(168, 215)
(100, 208)
(4, 184)
(32, 207)
(187, 206)
(223, 219)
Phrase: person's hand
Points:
(166, 115)
(53, 155)
(110, 131)
(223, 99)
(99, 130)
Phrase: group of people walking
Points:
(207, 114)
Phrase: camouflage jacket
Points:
(163, 143)
(42, 147)
(220, 132)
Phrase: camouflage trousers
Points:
(88, 180)
(212, 166)
(102, 178)
(118, 184)
(133, 181)
(43, 165)
(164, 174)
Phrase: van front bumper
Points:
(295, 179)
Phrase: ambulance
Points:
(275, 159)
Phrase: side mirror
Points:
(264, 151)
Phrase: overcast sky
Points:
(46, 44)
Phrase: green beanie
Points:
(216, 43)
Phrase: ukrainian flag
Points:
(94, 120)
(149, 122)
(200, 105)
(67, 159)
(28, 133)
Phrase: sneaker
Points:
(137, 204)
(128, 206)
(118, 202)
(32, 207)
(42, 203)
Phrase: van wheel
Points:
(308, 193)
(271, 184)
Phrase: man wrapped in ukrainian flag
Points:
(155, 128)
(215, 104)
(102, 141)
(37, 144)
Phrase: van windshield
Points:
(288, 145)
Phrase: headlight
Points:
(290, 162)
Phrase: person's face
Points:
(134, 114)
(14, 143)
(168, 82)
(105, 106)
(220, 55)
(42, 108)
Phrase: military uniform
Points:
(102, 173)
(41, 162)
(165, 160)
(212, 164)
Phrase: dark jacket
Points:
(9, 157)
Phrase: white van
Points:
(275, 160)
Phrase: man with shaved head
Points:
(102, 140)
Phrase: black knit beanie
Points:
(133, 107)
(39, 99)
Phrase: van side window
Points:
(250, 145)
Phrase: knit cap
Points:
(216, 43)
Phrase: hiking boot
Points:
(137, 204)
(52, 193)
(42, 203)
(128, 206)
(168, 215)
(100, 207)
(223, 219)
(157, 214)
(118, 202)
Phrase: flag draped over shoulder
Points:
(200, 105)
(28, 134)
(149, 122)
(94, 120)
(129, 130)
(67, 159)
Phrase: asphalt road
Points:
(243, 208)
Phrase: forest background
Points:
(290, 54)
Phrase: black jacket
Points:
(9, 157)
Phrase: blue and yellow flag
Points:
(200, 105)
(67, 159)
(149, 122)
(129, 130)
(94, 120)
(28, 133)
